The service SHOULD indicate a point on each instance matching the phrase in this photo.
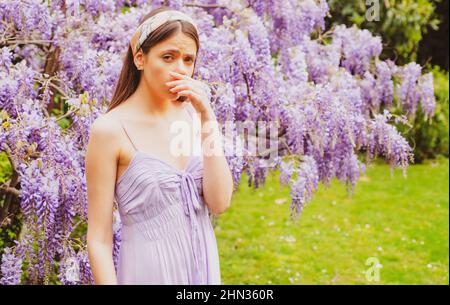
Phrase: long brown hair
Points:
(130, 76)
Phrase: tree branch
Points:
(12, 190)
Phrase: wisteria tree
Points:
(332, 97)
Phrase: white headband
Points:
(154, 22)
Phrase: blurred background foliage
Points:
(401, 23)
(411, 30)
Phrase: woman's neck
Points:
(147, 103)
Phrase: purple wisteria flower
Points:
(11, 268)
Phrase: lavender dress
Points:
(167, 236)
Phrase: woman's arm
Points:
(101, 166)
(217, 178)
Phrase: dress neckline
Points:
(165, 162)
(153, 157)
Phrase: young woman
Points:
(164, 198)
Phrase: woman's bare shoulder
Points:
(107, 124)
(106, 132)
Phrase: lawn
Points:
(402, 223)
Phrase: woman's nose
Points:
(182, 68)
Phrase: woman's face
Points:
(177, 53)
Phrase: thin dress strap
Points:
(128, 136)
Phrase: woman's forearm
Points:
(217, 178)
(102, 264)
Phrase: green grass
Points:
(402, 222)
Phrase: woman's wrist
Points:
(207, 115)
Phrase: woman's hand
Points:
(194, 90)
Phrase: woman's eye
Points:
(171, 57)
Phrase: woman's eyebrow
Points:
(178, 52)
